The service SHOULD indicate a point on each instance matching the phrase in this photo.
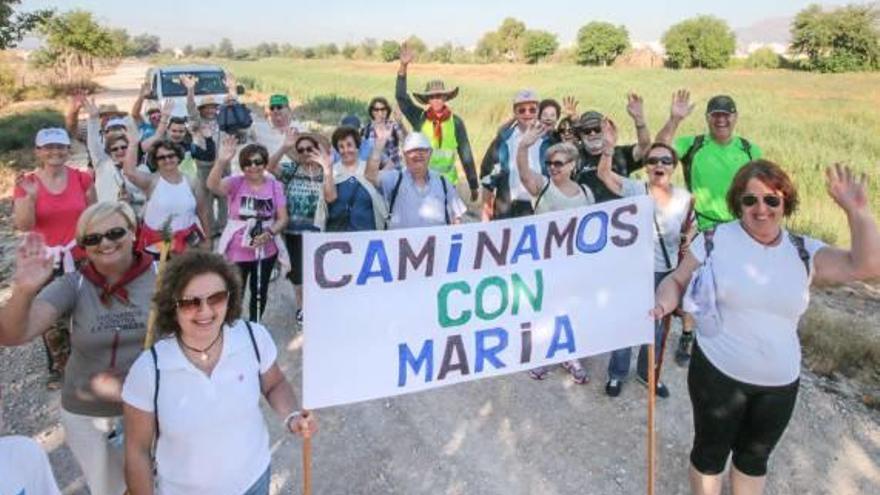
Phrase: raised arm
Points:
(137, 108)
(143, 180)
(636, 109)
(189, 82)
(288, 147)
(569, 107)
(412, 111)
(159, 135)
(605, 172)
(531, 180)
(862, 260)
(680, 108)
(202, 211)
(71, 117)
(325, 159)
(374, 161)
(93, 133)
(24, 214)
(467, 157)
(214, 182)
(22, 319)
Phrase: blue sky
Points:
(304, 22)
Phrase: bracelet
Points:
(290, 417)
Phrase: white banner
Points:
(393, 312)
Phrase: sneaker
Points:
(660, 389)
(613, 387)
(683, 352)
(578, 373)
(299, 317)
(539, 373)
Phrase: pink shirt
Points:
(245, 203)
(57, 213)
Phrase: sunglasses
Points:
(557, 163)
(259, 162)
(276, 107)
(586, 131)
(190, 304)
(113, 234)
(771, 200)
(379, 109)
(565, 130)
(656, 160)
(525, 110)
(305, 150)
(169, 156)
(118, 148)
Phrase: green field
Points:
(803, 121)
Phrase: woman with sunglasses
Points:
(743, 375)
(307, 177)
(48, 201)
(257, 215)
(176, 209)
(380, 114)
(110, 183)
(554, 193)
(196, 393)
(106, 302)
(673, 224)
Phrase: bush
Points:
(764, 58)
(17, 131)
(701, 42)
(329, 110)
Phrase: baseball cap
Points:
(351, 121)
(51, 135)
(416, 141)
(279, 100)
(208, 100)
(525, 96)
(589, 120)
(115, 122)
(721, 103)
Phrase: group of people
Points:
(156, 185)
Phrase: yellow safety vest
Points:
(443, 156)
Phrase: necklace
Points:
(759, 241)
(203, 353)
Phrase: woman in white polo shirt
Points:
(197, 392)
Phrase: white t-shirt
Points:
(553, 199)
(761, 294)
(212, 436)
(24, 468)
(669, 218)
(518, 192)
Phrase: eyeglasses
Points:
(525, 110)
(276, 107)
(169, 156)
(119, 148)
(557, 163)
(586, 131)
(190, 304)
(305, 150)
(771, 200)
(565, 130)
(379, 109)
(259, 162)
(656, 160)
(113, 234)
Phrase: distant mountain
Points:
(766, 31)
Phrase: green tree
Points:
(326, 50)
(764, 58)
(442, 53)
(144, 45)
(75, 42)
(14, 25)
(705, 42)
(348, 51)
(600, 43)
(419, 48)
(839, 40)
(390, 50)
(225, 49)
(537, 45)
(503, 44)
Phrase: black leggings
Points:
(248, 269)
(730, 415)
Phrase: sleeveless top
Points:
(552, 199)
(171, 200)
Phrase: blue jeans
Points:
(618, 365)
(261, 486)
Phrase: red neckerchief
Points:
(141, 264)
(437, 119)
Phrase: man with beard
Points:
(626, 159)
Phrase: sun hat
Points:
(208, 100)
(435, 88)
(115, 122)
(51, 135)
(108, 108)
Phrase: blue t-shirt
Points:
(352, 210)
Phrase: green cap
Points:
(279, 100)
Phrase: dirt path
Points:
(508, 435)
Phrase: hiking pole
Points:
(258, 278)
(666, 324)
(164, 248)
(652, 386)
(307, 464)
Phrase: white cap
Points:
(115, 122)
(51, 135)
(416, 141)
(525, 96)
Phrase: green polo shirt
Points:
(712, 171)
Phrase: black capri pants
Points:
(733, 416)
(294, 244)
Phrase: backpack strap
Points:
(687, 159)
(250, 330)
(393, 198)
(666, 258)
(689, 218)
(803, 254)
(155, 392)
(542, 192)
(445, 199)
(746, 147)
(709, 242)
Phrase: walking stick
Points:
(164, 248)
(257, 276)
(307, 465)
(652, 385)
(666, 324)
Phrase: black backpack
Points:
(688, 158)
(234, 117)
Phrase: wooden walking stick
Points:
(652, 386)
(307, 465)
(666, 324)
(164, 248)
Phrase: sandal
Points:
(578, 373)
(539, 373)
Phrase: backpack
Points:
(234, 117)
(156, 376)
(396, 190)
(687, 159)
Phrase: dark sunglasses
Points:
(379, 109)
(113, 234)
(586, 131)
(305, 149)
(119, 148)
(524, 110)
(771, 200)
(193, 303)
(276, 107)
(656, 160)
(565, 130)
(557, 163)
(169, 156)
(259, 162)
